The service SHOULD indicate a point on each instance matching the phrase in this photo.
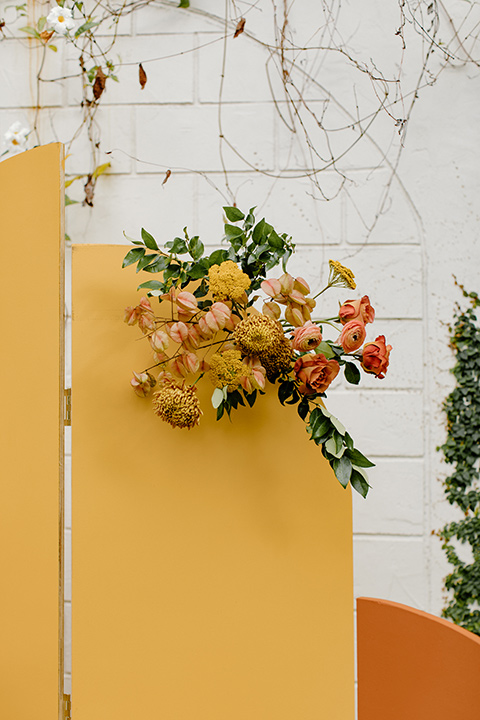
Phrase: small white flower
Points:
(61, 20)
(16, 138)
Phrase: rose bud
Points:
(352, 336)
(357, 309)
(375, 357)
(307, 337)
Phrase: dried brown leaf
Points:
(240, 27)
(45, 35)
(89, 188)
(99, 83)
(142, 76)
(167, 175)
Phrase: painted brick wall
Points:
(427, 232)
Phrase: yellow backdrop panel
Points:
(213, 567)
(31, 434)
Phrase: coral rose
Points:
(307, 337)
(352, 335)
(375, 357)
(357, 310)
(315, 373)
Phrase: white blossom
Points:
(16, 138)
(61, 20)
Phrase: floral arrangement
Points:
(208, 324)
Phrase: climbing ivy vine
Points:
(462, 450)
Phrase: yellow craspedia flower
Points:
(227, 369)
(341, 276)
(227, 281)
(177, 405)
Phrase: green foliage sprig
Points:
(462, 450)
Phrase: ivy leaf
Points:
(149, 240)
(133, 256)
(233, 214)
(352, 373)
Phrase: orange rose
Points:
(357, 310)
(352, 336)
(307, 337)
(375, 357)
(315, 373)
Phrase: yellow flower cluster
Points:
(341, 276)
(228, 369)
(262, 337)
(227, 281)
(177, 405)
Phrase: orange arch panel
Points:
(414, 666)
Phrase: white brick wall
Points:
(429, 229)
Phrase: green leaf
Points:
(149, 240)
(196, 248)
(53, 47)
(185, 4)
(303, 408)
(30, 31)
(359, 483)
(41, 23)
(233, 231)
(251, 397)
(151, 285)
(144, 261)
(343, 470)
(325, 349)
(217, 398)
(233, 214)
(177, 246)
(359, 459)
(259, 231)
(275, 241)
(159, 264)
(285, 390)
(217, 257)
(86, 27)
(199, 270)
(69, 201)
(220, 411)
(337, 424)
(334, 447)
(133, 256)
(352, 373)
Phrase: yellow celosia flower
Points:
(227, 369)
(177, 405)
(340, 276)
(227, 281)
